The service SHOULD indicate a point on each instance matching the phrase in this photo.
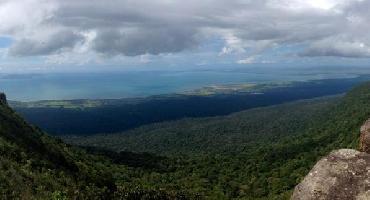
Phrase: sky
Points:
(68, 35)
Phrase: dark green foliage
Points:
(142, 160)
(229, 134)
(142, 194)
(257, 154)
(36, 166)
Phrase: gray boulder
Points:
(365, 137)
(342, 175)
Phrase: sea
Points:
(125, 84)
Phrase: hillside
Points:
(266, 169)
(229, 134)
(35, 166)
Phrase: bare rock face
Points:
(365, 137)
(342, 175)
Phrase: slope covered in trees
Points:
(35, 166)
(240, 163)
(228, 167)
(232, 133)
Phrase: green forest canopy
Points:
(239, 162)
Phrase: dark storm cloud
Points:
(142, 41)
(46, 45)
(337, 48)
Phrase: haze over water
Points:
(30, 87)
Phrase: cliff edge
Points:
(343, 174)
(3, 98)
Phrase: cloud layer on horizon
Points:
(337, 28)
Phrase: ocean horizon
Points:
(114, 85)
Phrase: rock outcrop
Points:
(365, 137)
(342, 175)
(3, 99)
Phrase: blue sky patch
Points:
(5, 42)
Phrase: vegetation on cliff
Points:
(228, 157)
(35, 166)
(256, 154)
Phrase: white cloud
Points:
(248, 60)
(145, 59)
(22, 17)
(152, 27)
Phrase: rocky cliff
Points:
(3, 98)
(365, 137)
(343, 174)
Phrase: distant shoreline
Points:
(36, 87)
(209, 90)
